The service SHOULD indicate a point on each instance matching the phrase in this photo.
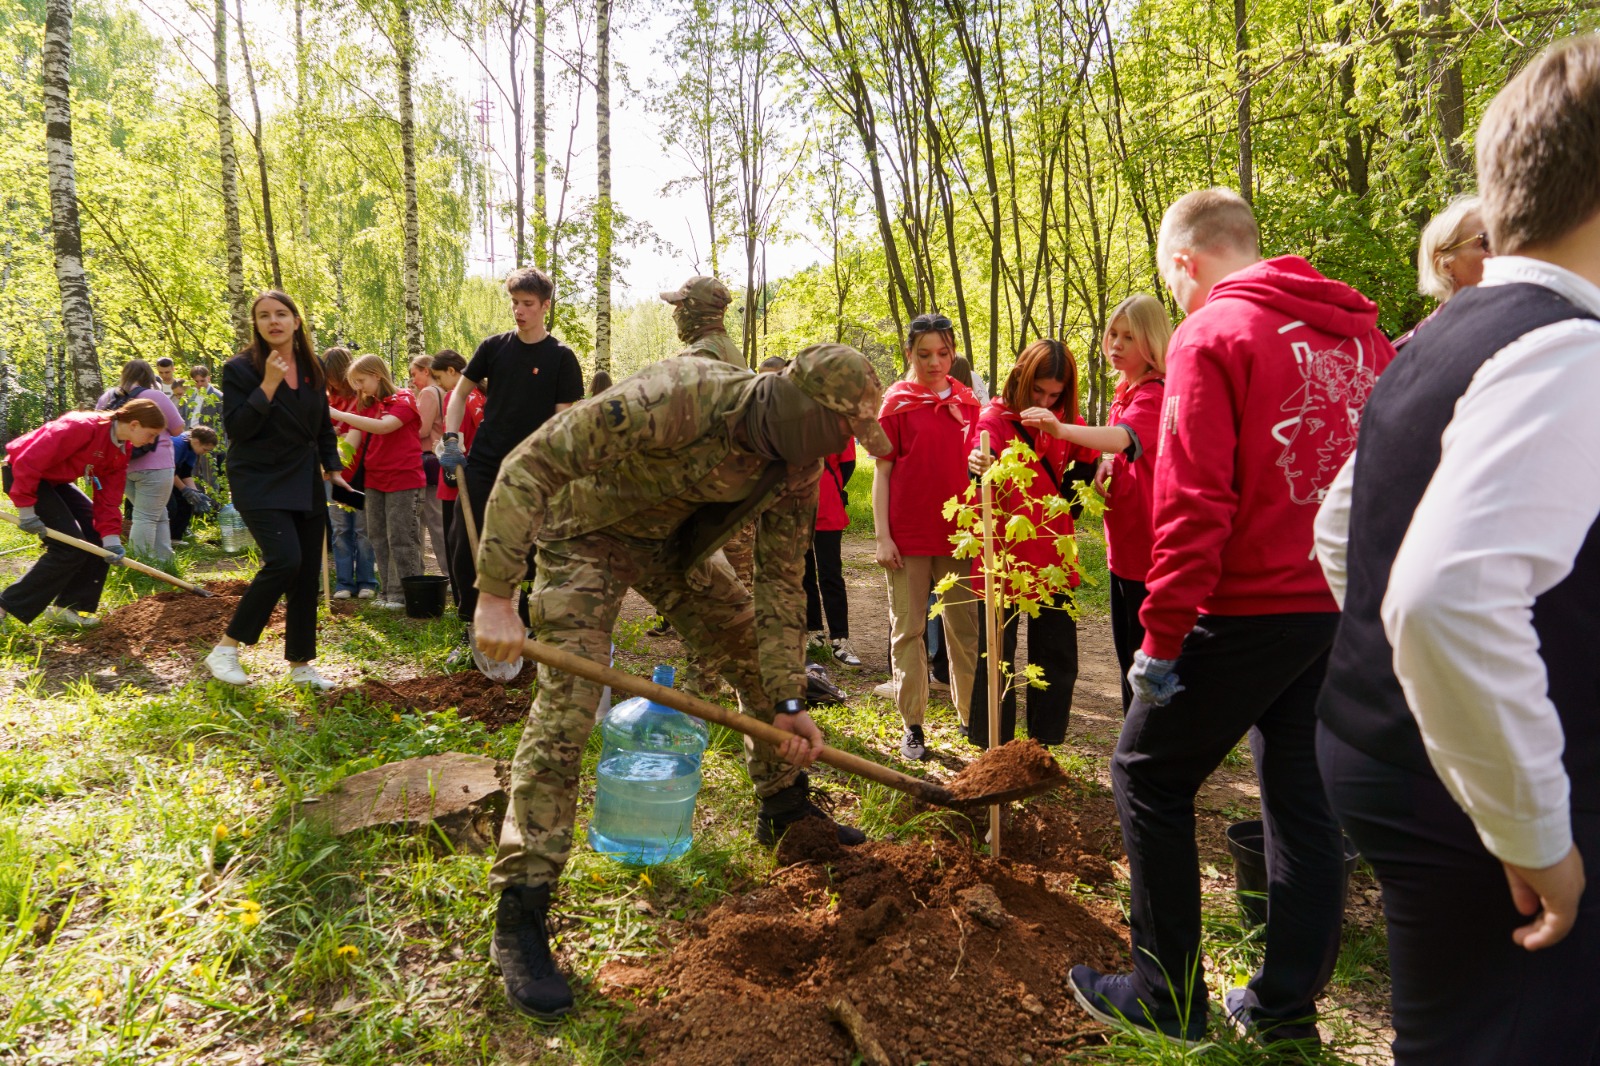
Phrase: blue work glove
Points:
(113, 545)
(30, 522)
(450, 454)
(1153, 680)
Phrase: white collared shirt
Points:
(1514, 496)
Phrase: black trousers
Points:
(178, 515)
(1127, 634)
(824, 583)
(1260, 675)
(71, 577)
(291, 564)
(1053, 646)
(448, 507)
(463, 566)
(1464, 992)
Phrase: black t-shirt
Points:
(522, 384)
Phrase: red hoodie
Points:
(1265, 386)
(78, 444)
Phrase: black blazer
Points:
(277, 450)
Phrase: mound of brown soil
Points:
(1014, 764)
(157, 622)
(469, 692)
(946, 956)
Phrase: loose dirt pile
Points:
(1013, 765)
(469, 692)
(946, 956)
(156, 623)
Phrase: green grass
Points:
(163, 901)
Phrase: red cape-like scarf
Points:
(905, 395)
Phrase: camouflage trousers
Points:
(703, 678)
(576, 597)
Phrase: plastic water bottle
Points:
(649, 776)
(231, 526)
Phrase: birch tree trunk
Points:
(405, 46)
(516, 16)
(1241, 67)
(256, 134)
(77, 317)
(541, 225)
(300, 64)
(238, 307)
(603, 221)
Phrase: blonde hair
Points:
(1442, 231)
(1210, 220)
(1149, 324)
(374, 365)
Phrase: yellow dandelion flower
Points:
(245, 832)
(197, 970)
(395, 717)
(258, 784)
(219, 832)
(644, 879)
(305, 1017)
(96, 997)
(63, 869)
(249, 918)
(348, 951)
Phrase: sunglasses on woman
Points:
(930, 324)
(1480, 239)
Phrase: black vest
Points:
(1396, 456)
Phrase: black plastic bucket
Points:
(425, 595)
(1246, 843)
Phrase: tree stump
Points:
(461, 796)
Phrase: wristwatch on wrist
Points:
(791, 706)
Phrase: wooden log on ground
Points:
(463, 797)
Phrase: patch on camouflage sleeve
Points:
(618, 415)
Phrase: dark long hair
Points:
(305, 357)
(1043, 360)
(136, 374)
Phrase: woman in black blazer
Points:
(281, 450)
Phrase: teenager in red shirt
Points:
(38, 474)
(446, 373)
(824, 579)
(930, 419)
(1037, 403)
(392, 472)
(1266, 380)
(354, 571)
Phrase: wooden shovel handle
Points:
(131, 564)
(567, 662)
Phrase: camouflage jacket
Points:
(716, 345)
(655, 459)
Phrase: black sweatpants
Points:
(463, 566)
(1053, 646)
(1127, 633)
(178, 515)
(1261, 675)
(824, 583)
(1464, 993)
(291, 569)
(71, 577)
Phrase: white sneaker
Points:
(67, 617)
(393, 605)
(224, 666)
(342, 594)
(366, 594)
(846, 654)
(307, 675)
(888, 690)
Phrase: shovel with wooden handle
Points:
(493, 669)
(916, 787)
(131, 564)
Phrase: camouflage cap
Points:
(839, 378)
(706, 291)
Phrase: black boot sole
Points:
(520, 1007)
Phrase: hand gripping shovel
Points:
(131, 564)
(490, 668)
(926, 791)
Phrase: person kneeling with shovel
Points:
(640, 487)
(66, 583)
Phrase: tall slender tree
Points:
(405, 48)
(269, 231)
(238, 306)
(77, 316)
(603, 220)
(541, 158)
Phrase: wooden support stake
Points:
(327, 588)
(992, 632)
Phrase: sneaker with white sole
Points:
(224, 666)
(342, 594)
(844, 652)
(65, 616)
(913, 746)
(366, 594)
(888, 690)
(1112, 1000)
(306, 674)
(392, 605)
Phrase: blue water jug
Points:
(648, 778)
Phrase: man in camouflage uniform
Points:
(699, 309)
(639, 487)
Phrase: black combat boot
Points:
(787, 806)
(522, 951)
